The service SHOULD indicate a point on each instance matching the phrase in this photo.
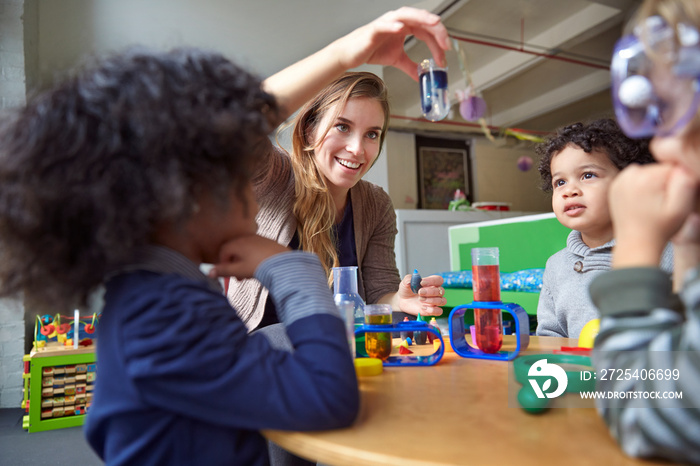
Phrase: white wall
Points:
(495, 175)
(498, 179)
(401, 166)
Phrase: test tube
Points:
(487, 287)
(76, 328)
(433, 90)
(378, 344)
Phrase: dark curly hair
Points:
(602, 135)
(90, 167)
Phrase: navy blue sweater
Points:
(179, 381)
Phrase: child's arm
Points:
(641, 333)
(379, 42)
(206, 367)
(640, 330)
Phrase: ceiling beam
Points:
(512, 63)
(563, 95)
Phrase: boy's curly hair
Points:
(89, 168)
(602, 135)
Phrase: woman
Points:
(314, 199)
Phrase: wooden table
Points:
(458, 412)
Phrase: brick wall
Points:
(12, 94)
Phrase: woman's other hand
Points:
(427, 301)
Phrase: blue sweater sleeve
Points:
(190, 354)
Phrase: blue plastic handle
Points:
(457, 330)
(405, 359)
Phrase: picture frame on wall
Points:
(441, 171)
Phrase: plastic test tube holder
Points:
(411, 326)
(458, 331)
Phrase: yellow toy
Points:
(588, 334)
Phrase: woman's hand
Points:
(648, 205)
(381, 42)
(427, 301)
(240, 257)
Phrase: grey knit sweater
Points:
(565, 304)
(374, 221)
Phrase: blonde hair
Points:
(313, 206)
(673, 11)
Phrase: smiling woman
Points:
(314, 199)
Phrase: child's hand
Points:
(648, 205)
(382, 41)
(240, 257)
(686, 249)
(689, 234)
(427, 301)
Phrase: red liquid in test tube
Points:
(487, 287)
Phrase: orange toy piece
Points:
(448, 345)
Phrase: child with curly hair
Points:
(130, 175)
(577, 166)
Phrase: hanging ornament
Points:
(524, 163)
(471, 106)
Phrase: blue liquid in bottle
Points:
(433, 91)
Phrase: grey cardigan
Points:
(375, 229)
